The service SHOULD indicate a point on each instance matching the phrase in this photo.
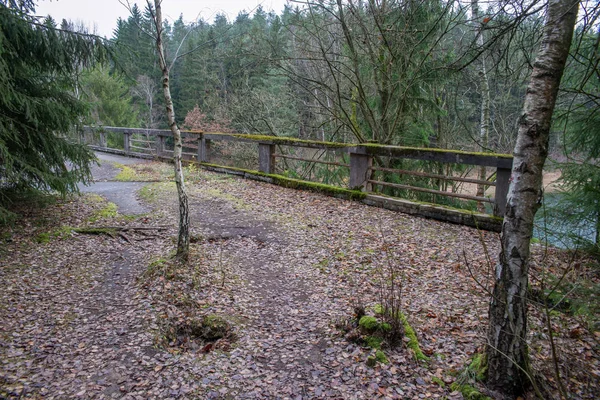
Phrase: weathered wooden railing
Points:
(358, 158)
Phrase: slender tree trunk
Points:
(183, 238)
(507, 332)
(484, 120)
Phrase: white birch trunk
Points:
(507, 331)
(183, 238)
(484, 120)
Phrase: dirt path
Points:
(81, 317)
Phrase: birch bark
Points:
(183, 237)
(507, 331)
(484, 119)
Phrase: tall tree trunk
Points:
(507, 331)
(484, 120)
(183, 238)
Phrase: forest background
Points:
(424, 73)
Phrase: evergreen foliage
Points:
(579, 119)
(39, 65)
(109, 97)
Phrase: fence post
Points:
(126, 141)
(502, 184)
(360, 165)
(203, 149)
(266, 158)
(160, 145)
(103, 142)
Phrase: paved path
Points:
(123, 194)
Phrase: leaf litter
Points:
(97, 316)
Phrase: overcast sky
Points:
(103, 14)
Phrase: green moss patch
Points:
(413, 342)
(475, 372)
(438, 381)
(469, 392)
(374, 342)
(108, 211)
(126, 175)
(369, 323)
(43, 238)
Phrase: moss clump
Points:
(371, 361)
(479, 366)
(413, 342)
(43, 238)
(159, 267)
(381, 357)
(438, 381)
(475, 371)
(318, 187)
(385, 327)
(374, 342)
(378, 357)
(469, 392)
(63, 232)
(369, 323)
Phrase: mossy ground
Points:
(144, 172)
(374, 333)
(472, 374)
(110, 210)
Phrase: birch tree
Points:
(484, 124)
(183, 238)
(507, 331)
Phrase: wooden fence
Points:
(357, 158)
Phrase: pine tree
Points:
(39, 64)
(110, 99)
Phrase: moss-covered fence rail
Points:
(154, 143)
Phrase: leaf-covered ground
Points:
(110, 315)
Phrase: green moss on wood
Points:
(296, 183)
(96, 231)
(430, 149)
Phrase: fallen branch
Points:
(130, 228)
(124, 236)
(112, 230)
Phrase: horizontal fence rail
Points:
(360, 170)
